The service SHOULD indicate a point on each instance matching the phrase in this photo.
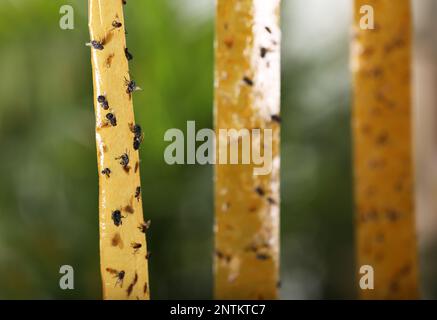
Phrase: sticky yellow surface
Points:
(382, 119)
(116, 192)
(247, 88)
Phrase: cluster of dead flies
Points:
(249, 81)
(130, 84)
(120, 274)
(116, 215)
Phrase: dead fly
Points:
(103, 102)
(263, 52)
(106, 172)
(131, 86)
(148, 254)
(262, 256)
(136, 129)
(136, 246)
(220, 255)
(131, 286)
(138, 136)
(117, 274)
(128, 55)
(98, 45)
(123, 1)
(124, 160)
(260, 191)
(116, 217)
(116, 24)
(271, 201)
(136, 143)
(276, 118)
(145, 226)
(138, 193)
(248, 81)
(111, 118)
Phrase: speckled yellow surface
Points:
(247, 89)
(118, 255)
(382, 119)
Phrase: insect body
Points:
(138, 193)
(136, 246)
(117, 274)
(124, 160)
(271, 201)
(248, 81)
(131, 86)
(262, 256)
(98, 45)
(276, 118)
(116, 24)
(128, 55)
(260, 191)
(106, 172)
(103, 102)
(117, 218)
(138, 136)
(263, 52)
(144, 226)
(137, 143)
(131, 286)
(111, 118)
(136, 129)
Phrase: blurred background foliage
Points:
(48, 184)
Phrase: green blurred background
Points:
(48, 171)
